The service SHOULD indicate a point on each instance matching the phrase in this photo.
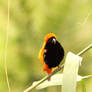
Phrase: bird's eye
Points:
(54, 41)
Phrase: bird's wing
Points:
(41, 53)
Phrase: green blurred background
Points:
(30, 21)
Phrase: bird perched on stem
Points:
(51, 53)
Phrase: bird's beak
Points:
(54, 40)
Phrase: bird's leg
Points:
(49, 77)
(59, 67)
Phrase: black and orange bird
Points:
(51, 53)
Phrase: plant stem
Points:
(83, 85)
(85, 50)
(6, 46)
(56, 70)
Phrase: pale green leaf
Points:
(71, 67)
(57, 80)
(70, 75)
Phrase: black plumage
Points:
(54, 53)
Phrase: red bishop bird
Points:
(51, 53)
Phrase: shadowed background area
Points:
(30, 21)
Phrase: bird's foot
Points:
(59, 67)
(49, 78)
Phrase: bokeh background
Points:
(30, 21)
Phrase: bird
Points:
(51, 54)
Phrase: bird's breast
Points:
(53, 55)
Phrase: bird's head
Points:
(50, 38)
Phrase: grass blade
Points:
(70, 72)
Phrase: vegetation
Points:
(30, 21)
